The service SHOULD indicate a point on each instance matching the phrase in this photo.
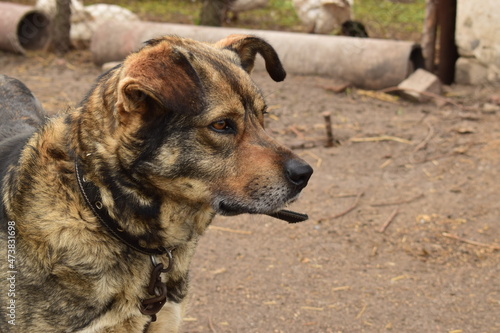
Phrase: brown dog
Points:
(102, 207)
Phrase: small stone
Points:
(418, 83)
(490, 108)
(495, 99)
(470, 71)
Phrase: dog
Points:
(103, 205)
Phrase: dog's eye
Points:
(223, 126)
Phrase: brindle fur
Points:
(171, 137)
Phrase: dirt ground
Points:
(427, 173)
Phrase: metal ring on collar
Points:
(170, 261)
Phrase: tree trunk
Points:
(60, 41)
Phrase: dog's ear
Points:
(247, 47)
(134, 97)
(135, 101)
(161, 80)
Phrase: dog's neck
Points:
(151, 224)
(93, 199)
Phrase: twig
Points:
(296, 132)
(211, 325)
(346, 195)
(388, 221)
(362, 311)
(342, 195)
(312, 308)
(336, 89)
(397, 202)
(430, 134)
(354, 205)
(303, 145)
(341, 288)
(380, 95)
(319, 160)
(380, 138)
(423, 143)
(426, 93)
(471, 242)
(434, 158)
(329, 132)
(243, 232)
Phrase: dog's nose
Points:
(298, 172)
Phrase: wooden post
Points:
(61, 25)
(213, 11)
(330, 141)
(448, 52)
(429, 34)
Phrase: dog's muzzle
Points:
(265, 196)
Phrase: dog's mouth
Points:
(234, 208)
(281, 214)
(231, 207)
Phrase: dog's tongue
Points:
(289, 216)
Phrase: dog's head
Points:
(190, 122)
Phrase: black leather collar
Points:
(92, 197)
